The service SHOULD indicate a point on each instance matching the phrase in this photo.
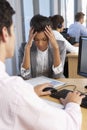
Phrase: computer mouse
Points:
(85, 86)
(49, 89)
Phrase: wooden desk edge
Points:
(72, 55)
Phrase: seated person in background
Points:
(69, 38)
(41, 54)
(20, 106)
(58, 26)
(77, 29)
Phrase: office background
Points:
(25, 9)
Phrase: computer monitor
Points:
(82, 56)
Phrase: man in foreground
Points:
(20, 107)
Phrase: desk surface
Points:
(80, 83)
(73, 65)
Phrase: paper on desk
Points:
(54, 104)
(43, 79)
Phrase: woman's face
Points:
(41, 41)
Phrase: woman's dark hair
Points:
(6, 12)
(78, 16)
(57, 21)
(39, 22)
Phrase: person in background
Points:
(21, 108)
(41, 55)
(77, 29)
(58, 27)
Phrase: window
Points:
(84, 10)
(44, 6)
(28, 13)
(67, 11)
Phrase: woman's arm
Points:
(26, 59)
(53, 42)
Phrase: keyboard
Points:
(63, 93)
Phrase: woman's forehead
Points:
(40, 35)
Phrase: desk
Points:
(72, 65)
(80, 83)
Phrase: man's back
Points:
(76, 30)
(22, 109)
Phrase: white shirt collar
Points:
(76, 22)
(42, 52)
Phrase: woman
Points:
(41, 55)
(58, 27)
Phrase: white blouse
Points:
(42, 65)
(69, 47)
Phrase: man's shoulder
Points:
(72, 25)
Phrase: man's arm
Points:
(39, 89)
(33, 110)
(64, 119)
(83, 31)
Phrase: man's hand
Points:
(75, 97)
(39, 89)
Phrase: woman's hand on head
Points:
(49, 33)
(32, 34)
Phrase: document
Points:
(43, 79)
(54, 104)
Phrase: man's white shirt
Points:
(22, 109)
